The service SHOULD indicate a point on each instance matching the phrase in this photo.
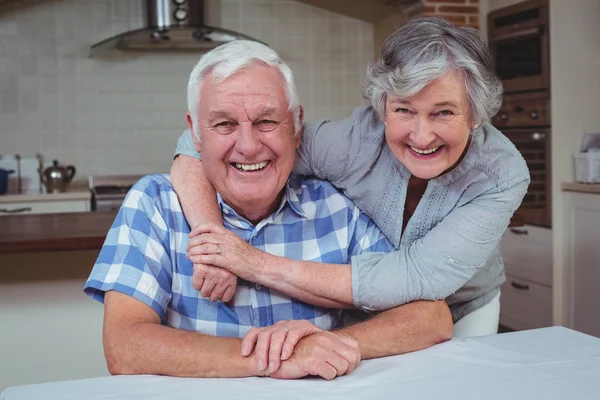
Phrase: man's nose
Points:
(248, 141)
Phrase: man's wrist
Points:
(349, 334)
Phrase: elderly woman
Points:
(423, 162)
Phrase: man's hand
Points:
(214, 283)
(325, 354)
(216, 246)
(276, 343)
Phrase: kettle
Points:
(57, 177)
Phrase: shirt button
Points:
(258, 286)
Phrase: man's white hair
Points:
(229, 58)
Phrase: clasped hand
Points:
(220, 257)
(293, 349)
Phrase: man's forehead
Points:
(231, 112)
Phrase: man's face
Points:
(247, 139)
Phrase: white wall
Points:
(124, 115)
(49, 332)
(575, 80)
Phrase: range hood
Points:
(171, 25)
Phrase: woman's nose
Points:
(422, 134)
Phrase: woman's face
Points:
(429, 131)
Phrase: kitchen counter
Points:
(593, 188)
(54, 232)
(73, 194)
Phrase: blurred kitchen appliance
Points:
(525, 120)
(171, 25)
(4, 173)
(57, 177)
(109, 191)
(587, 160)
(519, 45)
(27, 178)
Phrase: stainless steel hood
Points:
(171, 25)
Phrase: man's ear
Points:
(197, 143)
(299, 133)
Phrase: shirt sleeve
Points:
(185, 146)
(330, 149)
(366, 236)
(441, 262)
(134, 259)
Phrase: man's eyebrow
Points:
(219, 114)
(266, 111)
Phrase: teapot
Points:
(57, 177)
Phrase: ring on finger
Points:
(218, 249)
(286, 329)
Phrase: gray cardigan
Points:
(449, 249)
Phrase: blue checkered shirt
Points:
(144, 255)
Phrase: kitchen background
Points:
(122, 115)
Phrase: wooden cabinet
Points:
(582, 267)
(526, 299)
(79, 201)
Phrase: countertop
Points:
(550, 363)
(593, 188)
(72, 194)
(54, 232)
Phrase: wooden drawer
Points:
(522, 110)
(525, 305)
(527, 253)
(44, 207)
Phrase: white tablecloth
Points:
(550, 363)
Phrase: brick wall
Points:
(460, 12)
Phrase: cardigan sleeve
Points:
(438, 264)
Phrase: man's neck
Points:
(254, 212)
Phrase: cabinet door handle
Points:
(14, 210)
(519, 286)
(519, 231)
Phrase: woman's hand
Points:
(276, 343)
(214, 245)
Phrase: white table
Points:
(550, 363)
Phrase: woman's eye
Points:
(445, 113)
(402, 110)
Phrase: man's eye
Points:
(266, 125)
(225, 127)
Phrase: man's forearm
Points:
(196, 195)
(411, 327)
(320, 284)
(148, 348)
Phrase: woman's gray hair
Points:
(425, 49)
(229, 58)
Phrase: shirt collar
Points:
(290, 197)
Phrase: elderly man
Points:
(245, 116)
